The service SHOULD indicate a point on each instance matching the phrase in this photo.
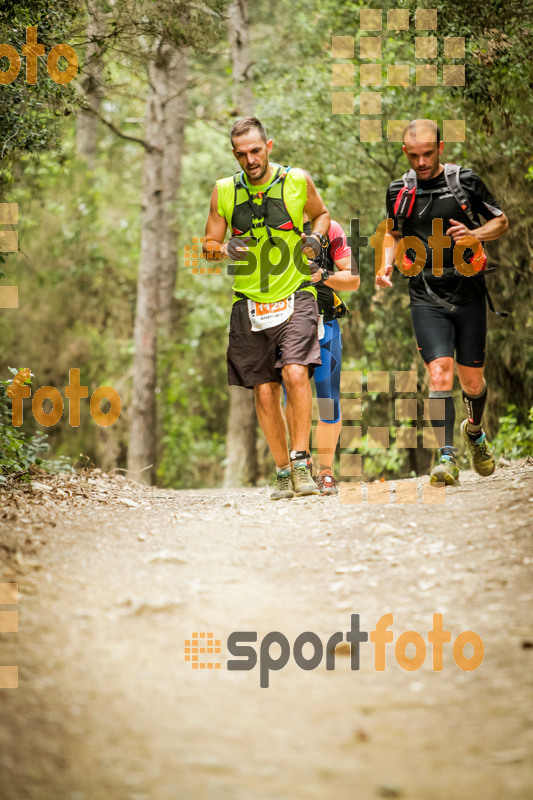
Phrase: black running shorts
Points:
(256, 357)
(440, 332)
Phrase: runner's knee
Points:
(266, 393)
(473, 385)
(441, 374)
(295, 376)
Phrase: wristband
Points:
(321, 238)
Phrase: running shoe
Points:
(326, 482)
(446, 471)
(302, 481)
(480, 456)
(284, 489)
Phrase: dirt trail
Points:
(114, 577)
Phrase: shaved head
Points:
(423, 146)
(422, 130)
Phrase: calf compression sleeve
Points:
(475, 405)
(442, 401)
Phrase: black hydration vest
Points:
(270, 213)
(403, 208)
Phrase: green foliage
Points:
(384, 463)
(17, 451)
(181, 21)
(499, 53)
(55, 466)
(194, 401)
(77, 271)
(514, 439)
(30, 114)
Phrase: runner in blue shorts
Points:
(328, 376)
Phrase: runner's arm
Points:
(215, 230)
(490, 230)
(315, 208)
(343, 280)
(383, 278)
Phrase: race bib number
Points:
(268, 315)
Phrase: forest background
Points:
(113, 172)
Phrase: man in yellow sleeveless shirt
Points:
(273, 327)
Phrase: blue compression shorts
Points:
(328, 375)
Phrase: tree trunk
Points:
(239, 39)
(157, 268)
(92, 84)
(241, 437)
(173, 82)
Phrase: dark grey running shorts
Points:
(257, 357)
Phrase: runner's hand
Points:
(458, 231)
(310, 246)
(385, 280)
(316, 272)
(235, 246)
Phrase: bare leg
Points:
(267, 403)
(471, 379)
(441, 374)
(299, 400)
(327, 436)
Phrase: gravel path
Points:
(114, 577)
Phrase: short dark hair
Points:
(242, 126)
(430, 124)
